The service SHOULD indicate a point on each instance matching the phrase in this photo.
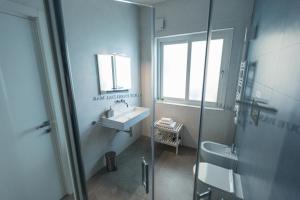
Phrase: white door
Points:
(29, 167)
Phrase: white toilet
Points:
(224, 183)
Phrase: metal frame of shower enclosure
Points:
(60, 47)
(207, 46)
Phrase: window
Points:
(174, 70)
(213, 70)
(182, 59)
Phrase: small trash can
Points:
(111, 161)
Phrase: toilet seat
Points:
(216, 176)
(220, 178)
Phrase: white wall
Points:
(217, 122)
(191, 16)
(94, 27)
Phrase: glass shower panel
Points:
(256, 135)
(114, 143)
(180, 56)
(218, 176)
(267, 134)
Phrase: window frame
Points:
(226, 35)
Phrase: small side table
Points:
(169, 136)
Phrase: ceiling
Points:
(147, 2)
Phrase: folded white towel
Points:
(166, 123)
(171, 125)
(165, 119)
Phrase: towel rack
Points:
(259, 104)
(256, 108)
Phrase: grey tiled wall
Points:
(269, 154)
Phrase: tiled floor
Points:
(173, 174)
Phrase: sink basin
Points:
(125, 118)
(218, 154)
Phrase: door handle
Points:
(204, 194)
(44, 124)
(47, 131)
(145, 175)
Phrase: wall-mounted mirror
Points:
(114, 72)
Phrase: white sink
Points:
(125, 118)
(218, 154)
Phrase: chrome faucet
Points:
(122, 101)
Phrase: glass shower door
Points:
(108, 43)
(180, 35)
(217, 175)
(267, 134)
(256, 135)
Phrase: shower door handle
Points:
(204, 194)
(145, 175)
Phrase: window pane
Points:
(174, 70)
(196, 74)
(123, 72)
(213, 71)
